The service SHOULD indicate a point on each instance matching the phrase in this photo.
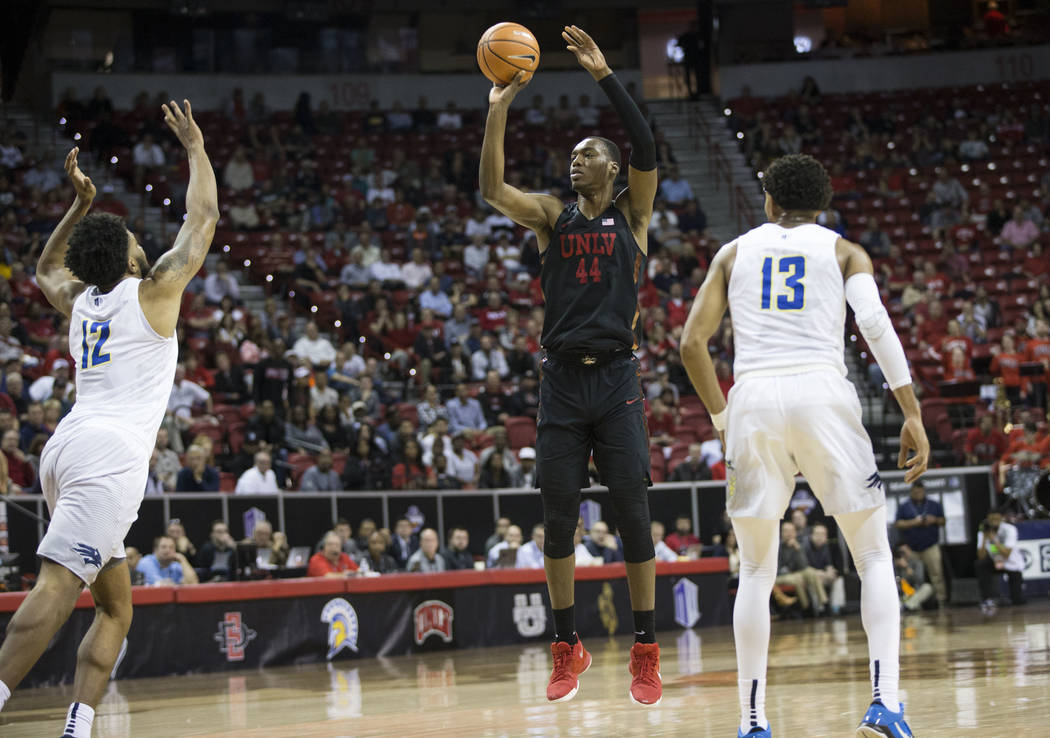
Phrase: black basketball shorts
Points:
(591, 408)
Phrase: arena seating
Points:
(886, 176)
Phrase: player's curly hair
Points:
(798, 182)
(98, 250)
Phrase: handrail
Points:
(438, 495)
(718, 166)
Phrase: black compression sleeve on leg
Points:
(643, 145)
(560, 513)
(631, 504)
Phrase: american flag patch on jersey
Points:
(608, 221)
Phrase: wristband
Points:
(718, 420)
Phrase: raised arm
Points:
(161, 291)
(704, 318)
(862, 294)
(533, 211)
(59, 286)
(641, 174)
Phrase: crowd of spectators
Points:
(948, 191)
(398, 345)
(400, 311)
(410, 547)
(990, 25)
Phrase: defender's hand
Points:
(504, 94)
(913, 438)
(81, 182)
(182, 124)
(587, 52)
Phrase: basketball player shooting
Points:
(792, 409)
(593, 253)
(93, 469)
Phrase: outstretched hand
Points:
(913, 439)
(81, 182)
(182, 124)
(505, 94)
(586, 50)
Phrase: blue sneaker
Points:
(755, 733)
(880, 722)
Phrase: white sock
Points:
(759, 544)
(752, 704)
(78, 721)
(5, 694)
(865, 534)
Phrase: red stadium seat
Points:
(521, 432)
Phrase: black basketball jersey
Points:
(590, 275)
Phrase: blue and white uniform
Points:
(792, 408)
(93, 470)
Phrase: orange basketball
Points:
(506, 49)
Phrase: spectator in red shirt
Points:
(663, 426)
(330, 561)
(19, 469)
(936, 283)
(1006, 364)
(682, 539)
(995, 24)
(984, 443)
(676, 307)
(399, 213)
(1037, 264)
(195, 372)
(1027, 451)
(957, 370)
(410, 473)
(935, 324)
(1038, 348)
(494, 315)
(955, 340)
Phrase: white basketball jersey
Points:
(125, 369)
(787, 299)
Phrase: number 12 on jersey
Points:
(95, 337)
(794, 267)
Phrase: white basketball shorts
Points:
(93, 481)
(783, 424)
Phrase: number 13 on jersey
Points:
(95, 337)
(794, 269)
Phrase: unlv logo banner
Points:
(432, 617)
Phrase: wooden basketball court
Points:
(962, 674)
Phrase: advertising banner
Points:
(312, 622)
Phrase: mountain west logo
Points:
(432, 617)
(233, 636)
(530, 614)
(730, 478)
(607, 609)
(342, 626)
(90, 554)
(686, 603)
(874, 481)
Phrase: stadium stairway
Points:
(672, 117)
(44, 138)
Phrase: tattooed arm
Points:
(160, 293)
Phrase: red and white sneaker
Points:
(569, 663)
(646, 686)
